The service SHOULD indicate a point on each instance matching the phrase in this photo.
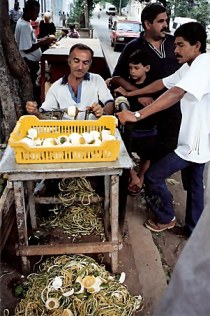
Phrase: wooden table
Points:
(57, 57)
(22, 176)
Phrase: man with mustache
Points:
(193, 148)
(159, 48)
(80, 88)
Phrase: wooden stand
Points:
(22, 177)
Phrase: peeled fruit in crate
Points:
(76, 139)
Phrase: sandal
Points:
(134, 190)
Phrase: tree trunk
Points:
(15, 83)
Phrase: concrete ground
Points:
(154, 254)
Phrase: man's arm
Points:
(165, 101)
(109, 108)
(151, 88)
(45, 41)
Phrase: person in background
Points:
(46, 28)
(63, 18)
(73, 33)
(27, 42)
(110, 21)
(64, 34)
(80, 89)
(14, 16)
(193, 149)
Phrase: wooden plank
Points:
(7, 225)
(58, 249)
(6, 201)
(21, 218)
(114, 213)
(56, 200)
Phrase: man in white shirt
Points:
(80, 89)
(14, 15)
(191, 85)
(27, 42)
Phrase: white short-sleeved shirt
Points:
(92, 89)
(194, 136)
(25, 38)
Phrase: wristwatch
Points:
(137, 115)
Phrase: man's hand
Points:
(31, 108)
(96, 109)
(122, 91)
(47, 40)
(126, 116)
(145, 100)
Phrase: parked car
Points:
(208, 32)
(124, 31)
(178, 21)
(111, 10)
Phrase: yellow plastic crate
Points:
(107, 151)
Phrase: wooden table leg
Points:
(106, 206)
(114, 214)
(21, 219)
(31, 202)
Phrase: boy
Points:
(141, 137)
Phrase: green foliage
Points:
(76, 12)
(116, 3)
(199, 10)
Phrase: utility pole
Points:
(120, 4)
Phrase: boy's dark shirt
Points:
(151, 121)
(162, 65)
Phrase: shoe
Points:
(134, 190)
(158, 227)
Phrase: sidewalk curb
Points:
(146, 255)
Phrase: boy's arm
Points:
(151, 88)
(118, 81)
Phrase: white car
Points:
(208, 32)
(178, 21)
(111, 10)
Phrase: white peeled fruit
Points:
(88, 138)
(97, 142)
(95, 134)
(27, 141)
(76, 139)
(72, 111)
(52, 36)
(48, 142)
(108, 137)
(105, 132)
(38, 142)
(32, 133)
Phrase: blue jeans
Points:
(160, 198)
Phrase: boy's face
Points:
(138, 71)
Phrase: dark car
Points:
(124, 31)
